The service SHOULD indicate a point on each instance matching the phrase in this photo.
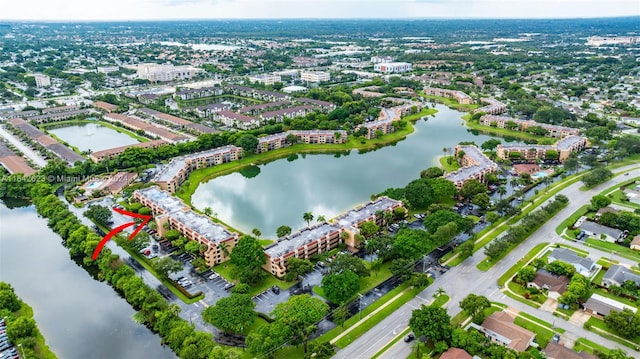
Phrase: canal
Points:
(92, 136)
(79, 317)
(328, 184)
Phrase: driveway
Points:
(549, 305)
(579, 318)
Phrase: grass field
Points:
(614, 248)
(521, 263)
(224, 270)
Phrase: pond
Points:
(280, 192)
(79, 317)
(92, 136)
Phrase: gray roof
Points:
(163, 199)
(169, 171)
(567, 142)
(596, 228)
(569, 256)
(621, 274)
(604, 305)
(467, 172)
(300, 238)
(356, 215)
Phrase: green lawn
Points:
(600, 324)
(224, 269)
(540, 321)
(534, 301)
(444, 163)
(622, 251)
(449, 102)
(522, 299)
(569, 221)
(521, 263)
(366, 283)
(41, 348)
(440, 300)
(543, 335)
(583, 344)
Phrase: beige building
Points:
(459, 96)
(475, 165)
(522, 125)
(493, 107)
(531, 153)
(265, 79)
(279, 140)
(315, 76)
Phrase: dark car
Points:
(409, 338)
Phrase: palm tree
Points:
(225, 249)
(502, 190)
(256, 232)
(380, 215)
(207, 211)
(308, 217)
(440, 291)
(321, 219)
(388, 217)
(371, 246)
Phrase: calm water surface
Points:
(79, 317)
(92, 136)
(326, 184)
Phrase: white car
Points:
(214, 276)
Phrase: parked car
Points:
(409, 338)
(228, 286)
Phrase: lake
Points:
(328, 184)
(78, 316)
(92, 136)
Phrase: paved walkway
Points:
(35, 157)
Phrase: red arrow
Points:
(106, 238)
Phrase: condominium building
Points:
(166, 72)
(279, 140)
(392, 67)
(42, 80)
(315, 76)
(171, 176)
(612, 40)
(474, 165)
(324, 106)
(265, 79)
(193, 226)
(238, 120)
(383, 126)
(290, 112)
(301, 244)
(105, 106)
(190, 94)
(59, 115)
(493, 107)
(257, 109)
(46, 141)
(371, 211)
(12, 162)
(522, 125)
(148, 128)
(175, 122)
(531, 153)
(110, 153)
(210, 110)
(459, 96)
(381, 59)
(369, 91)
(257, 94)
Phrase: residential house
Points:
(455, 353)
(616, 275)
(584, 266)
(500, 328)
(600, 306)
(599, 231)
(554, 350)
(544, 280)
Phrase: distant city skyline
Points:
(105, 10)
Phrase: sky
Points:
(83, 10)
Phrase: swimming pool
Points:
(539, 175)
(93, 184)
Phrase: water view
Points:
(92, 136)
(78, 316)
(328, 184)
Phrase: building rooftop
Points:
(286, 111)
(621, 274)
(604, 305)
(236, 116)
(571, 257)
(482, 163)
(359, 214)
(516, 337)
(300, 238)
(569, 141)
(597, 228)
(275, 136)
(315, 102)
(557, 351)
(202, 225)
(163, 199)
(168, 172)
(120, 149)
(263, 106)
(553, 283)
(164, 116)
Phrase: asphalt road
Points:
(466, 278)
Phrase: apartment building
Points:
(493, 107)
(302, 244)
(193, 226)
(315, 76)
(257, 109)
(369, 91)
(20, 114)
(531, 153)
(42, 80)
(475, 165)
(177, 171)
(461, 97)
(371, 211)
(323, 106)
(320, 136)
(257, 94)
(272, 142)
(384, 126)
(166, 72)
(392, 67)
(522, 125)
(46, 141)
(12, 162)
(381, 59)
(146, 127)
(265, 79)
(56, 116)
(110, 153)
(175, 122)
(191, 94)
(290, 112)
(105, 106)
(238, 120)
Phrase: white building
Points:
(107, 69)
(42, 80)
(315, 76)
(392, 67)
(381, 59)
(166, 72)
(265, 79)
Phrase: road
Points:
(465, 278)
(36, 158)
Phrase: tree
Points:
(502, 190)
(256, 232)
(340, 315)
(526, 274)
(490, 145)
(411, 244)
(291, 138)
(319, 350)
(21, 327)
(300, 314)
(419, 194)
(308, 217)
(465, 250)
(340, 287)
(9, 300)
(491, 217)
(167, 265)
(625, 323)
(346, 262)
(432, 172)
(443, 189)
(368, 229)
(474, 305)
(207, 211)
(420, 280)
(445, 234)
(571, 164)
(482, 200)
(616, 354)
(231, 314)
(402, 268)
(496, 248)
(596, 176)
(99, 214)
(471, 188)
(249, 143)
(283, 231)
(248, 257)
(172, 234)
(431, 322)
(192, 247)
(297, 267)
(599, 201)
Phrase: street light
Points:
(360, 306)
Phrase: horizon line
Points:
(310, 18)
